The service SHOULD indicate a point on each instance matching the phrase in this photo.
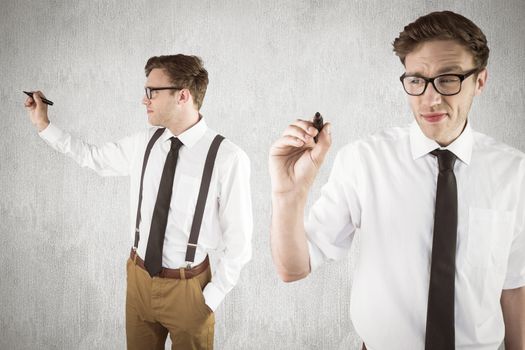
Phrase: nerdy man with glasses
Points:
(439, 207)
(191, 218)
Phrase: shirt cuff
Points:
(213, 296)
(514, 282)
(316, 257)
(51, 133)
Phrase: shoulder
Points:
(140, 139)
(229, 153)
(492, 150)
(143, 136)
(147, 133)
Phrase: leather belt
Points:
(182, 273)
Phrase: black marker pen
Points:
(46, 101)
(318, 124)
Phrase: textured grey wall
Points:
(63, 234)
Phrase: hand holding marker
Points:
(46, 101)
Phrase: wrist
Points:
(296, 194)
(290, 200)
(41, 126)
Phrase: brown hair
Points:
(445, 25)
(185, 72)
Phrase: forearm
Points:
(513, 306)
(288, 237)
(42, 125)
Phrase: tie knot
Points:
(446, 159)
(175, 143)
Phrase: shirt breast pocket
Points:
(186, 192)
(489, 238)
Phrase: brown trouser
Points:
(156, 306)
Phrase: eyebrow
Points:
(447, 69)
(450, 69)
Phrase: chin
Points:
(432, 132)
(440, 136)
(153, 119)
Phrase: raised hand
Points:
(37, 110)
(295, 158)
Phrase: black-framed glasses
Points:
(445, 84)
(149, 90)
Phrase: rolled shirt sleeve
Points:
(109, 159)
(236, 223)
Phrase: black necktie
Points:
(153, 259)
(440, 334)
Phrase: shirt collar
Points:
(190, 136)
(421, 145)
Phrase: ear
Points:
(481, 81)
(185, 97)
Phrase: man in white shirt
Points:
(440, 208)
(171, 285)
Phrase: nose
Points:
(145, 100)
(431, 97)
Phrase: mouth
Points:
(433, 117)
(149, 111)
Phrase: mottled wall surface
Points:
(64, 230)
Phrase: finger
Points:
(324, 141)
(288, 141)
(306, 125)
(300, 133)
(37, 98)
(39, 94)
(29, 102)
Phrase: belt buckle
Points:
(188, 265)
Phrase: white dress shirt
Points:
(227, 222)
(384, 188)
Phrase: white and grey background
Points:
(64, 230)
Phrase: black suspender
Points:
(201, 200)
(151, 142)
